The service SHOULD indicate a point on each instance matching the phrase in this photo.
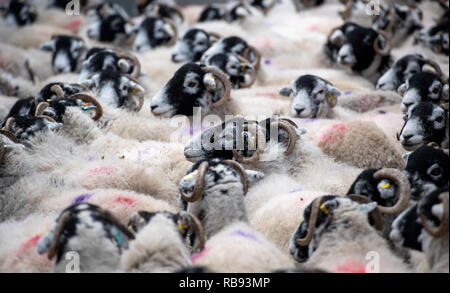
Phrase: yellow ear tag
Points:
(324, 209)
(136, 90)
(49, 100)
(332, 99)
(211, 78)
(384, 186)
(244, 66)
(5, 146)
(187, 177)
(181, 227)
(3, 128)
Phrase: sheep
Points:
(403, 69)
(436, 37)
(425, 122)
(336, 236)
(212, 12)
(152, 32)
(213, 191)
(113, 28)
(165, 11)
(363, 50)
(81, 228)
(191, 46)
(423, 87)
(159, 245)
(424, 227)
(15, 86)
(427, 170)
(19, 13)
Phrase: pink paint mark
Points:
(351, 267)
(28, 244)
(104, 170)
(124, 200)
(269, 95)
(73, 25)
(264, 43)
(202, 253)
(314, 27)
(332, 134)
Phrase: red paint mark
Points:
(314, 27)
(351, 267)
(264, 43)
(332, 134)
(202, 253)
(124, 200)
(104, 169)
(270, 95)
(73, 25)
(29, 243)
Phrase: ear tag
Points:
(333, 100)
(384, 186)
(244, 66)
(3, 128)
(5, 146)
(48, 100)
(118, 237)
(136, 90)
(428, 68)
(211, 78)
(181, 227)
(189, 176)
(324, 209)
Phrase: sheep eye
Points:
(435, 172)
(201, 43)
(439, 119)
(435, 91)
(320, 92)
(192, 84)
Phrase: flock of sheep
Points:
(253, 136)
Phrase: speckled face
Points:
(152, 32)
(25, 127)
(191, 46)
(402, 69)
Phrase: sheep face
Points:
(382, 191)
(25, 127)
(98, 59)
(191, 46)
(352, 46)
(239, 11)
(408, 230)
(112, 29)
(335, 214)
(311, 96)
(47, 94)
(66, 51)
(142, 218)
(211, 12)
(422, 87)
(191, 86)
(234, 45)
(427, 170)
(153, 32)
(165, 11)
(237, 69)
(113, 87)
(402, 69)
(425, 122)
(407, 19)
(90, 231)
(19, 13)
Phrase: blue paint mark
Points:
(347, 92)
(245, 235)
(82, 198)
(382, 112)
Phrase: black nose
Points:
(407, 137)
(299, 110)
(173, 57)
(343, 57)
(153, 107)
(380, 85)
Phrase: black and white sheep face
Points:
(113, 87)
(26, 127)
(165, 11)
(142, 218)
(423, 87)
(425, 122)
(311, 96)
(407, 20)
(104, 59)
(46, 94)
(236, 69)
(403, 69)
(88, 230)
(112, 29)
(352, 46)
(19, 13)
(336, 213)
(212, 12)
(190, 87)
(238, 11)
(66, 51)
(234, 45)
(153, 32)
(191, 46)
(381, 191)
(427, 170)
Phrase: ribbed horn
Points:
(57, 90)
(312, 223)
(41, 108)
(199, 231)
(376, 44)
(403, 189)
(174, 39)
(236, 166)
(139, 94)
(225, 81)
(261, 145)
(57, 234)
(89, 99)
(293, 136)
(442, 229)
(111, 218)
(257, 62)
(199, 183)
(252, 74)
(136, 64)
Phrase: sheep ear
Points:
(337, 37)
(241, 11)
(445, 92)
(329, 206)
(368, 207)
(210, 82)
(44, 243)
(285, 91)
(129, 29)
(254, 176)
(334, 91)
(124, 65)
(402, 89)
(48, 46)
(428, 68)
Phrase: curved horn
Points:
(199, 182)
(376, 214)
(81, 86)
(312, 223)
(257, 62)
(89, 99)
(225, 81)
(178, 11)
(174, 39)
(252, 74)
(110, 217)
(376, 44)
(437, 68)
(57, 90)
(6, 130)
(136, 64)
(443, 227)
(403, 189)
(2, 152)
(290, 121)
(40, 108)
(215, 35)
(347, 10)
(261, 144)
(140, 95)
(236, 166)
(293, 136)
(57, 233)
(8, 86)
(199, 231)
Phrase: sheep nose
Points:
(174, 56)
(381, 85)
(299, 111)
(343, 57)
(407, 137)
(153, 108)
